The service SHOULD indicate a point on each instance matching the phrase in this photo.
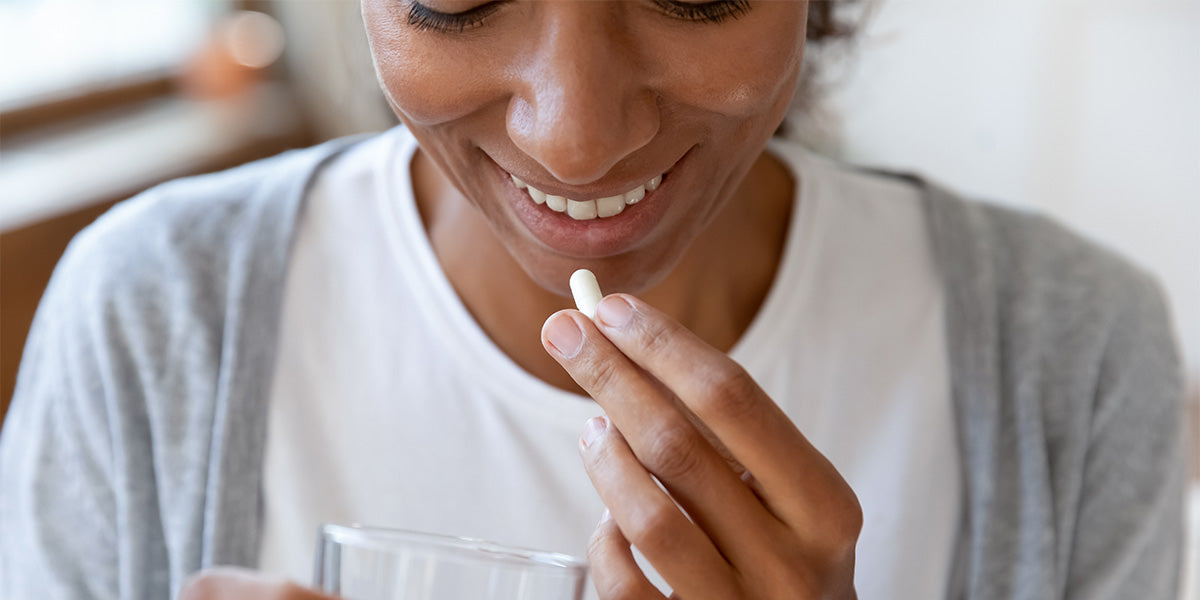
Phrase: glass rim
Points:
(384, 538)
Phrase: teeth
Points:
(635, 195)
(538, 195)
(610, 206)
(556, 203)
(583, 210)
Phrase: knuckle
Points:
(601, 374)
(791, 577)
(726, 392)
(845, 523)
(805, 569)
(595, 548)
(604, 554)
(836, 554)
(674, 453)
(854, 522)
(600, 545)
(806, 587)
(602, 456)
(848, 527)
(653, 528)
(623, 589)
(654, 335)
(807, 578)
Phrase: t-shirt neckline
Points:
(478, 354)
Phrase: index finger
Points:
(728, 401)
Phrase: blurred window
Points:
(55, 48)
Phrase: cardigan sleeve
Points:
(1129, 532)
(132, 451)
(58, 508)
(84, 471)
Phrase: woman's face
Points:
(590, 101)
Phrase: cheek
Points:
(427, 79)
(743, 72)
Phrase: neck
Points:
(713, 291)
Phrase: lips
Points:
(589, 228)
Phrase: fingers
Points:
(648, 517)
(662, 439)
(226, 583)
(725, 398)
(614, 572)
(793, 525)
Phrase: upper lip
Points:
(592, 191)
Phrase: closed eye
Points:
(704, 12)
(424, 18)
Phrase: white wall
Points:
(1088, 110)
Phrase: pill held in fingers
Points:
(586, 291)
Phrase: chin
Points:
(631, 273)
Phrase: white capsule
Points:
(586, 291)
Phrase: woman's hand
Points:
(226, 583)
(767, 516)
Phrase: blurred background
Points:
(1086, 110)
(100, 99)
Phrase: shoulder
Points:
(130, 366)
(187, 216)
(190, 233)
(149, 295)
(1081, 303)
(1050, 316)
(1036, 268)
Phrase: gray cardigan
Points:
(133, 452)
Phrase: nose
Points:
(580, 106)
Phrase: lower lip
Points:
(592, 238)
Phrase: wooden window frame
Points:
(28, 252)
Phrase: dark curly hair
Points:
(828, 22)
(832, 25)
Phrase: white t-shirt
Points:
(391, 407)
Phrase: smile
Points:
(583, 210)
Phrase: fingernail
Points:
(593, 430)
(606, 517)
(614, 311)
(564, 334)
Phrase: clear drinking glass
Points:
(366, 563)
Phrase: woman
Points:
(851, 382)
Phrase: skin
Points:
(770, 517)
(540, 103)
(590, 99)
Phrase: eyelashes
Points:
(424, 18)
(704, 12)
